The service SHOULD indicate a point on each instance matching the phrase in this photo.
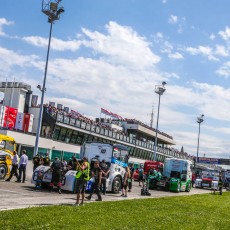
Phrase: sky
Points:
(112, 54)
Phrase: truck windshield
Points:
(121, 155)
(7, 145)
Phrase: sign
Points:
(206, 160)
(10, 117)
(19, 121)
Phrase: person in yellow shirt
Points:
(82, 176)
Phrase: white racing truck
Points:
(209, 179)
(116, 157)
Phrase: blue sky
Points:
(111, 54)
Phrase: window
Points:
(56, 133)
(74, 137)
(62, 134)
(68, 135)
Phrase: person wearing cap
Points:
(56, 168)
(82, 176)
(22, 166)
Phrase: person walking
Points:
(130, 180)
(125, 182)
(141, 176)
(14, 170)
(56, 168)
(220, 184)
(82, 176)
(97, 173)
(105, 173)
(22, 167)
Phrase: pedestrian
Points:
(193, 179)
(220, 184)
(97, 173)
(56, 169)
(105, 173)
(130, 180)
(36, 161)
(46, 160)
(82, 176)
(22, 167)
(125, 182)
(141, 175)
(14, 170)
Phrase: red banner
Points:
(10, 117)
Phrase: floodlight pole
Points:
(199, 121)
(159, 89)
(53, 11)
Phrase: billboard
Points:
(19, 121)
(206, 160)
(9, 118)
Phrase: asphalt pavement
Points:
(22, 195)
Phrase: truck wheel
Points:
(116, 187)
(3, 171)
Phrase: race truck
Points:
(7, 146)
(154, 165)
(177, 175)
(116, 157)
(208, 178)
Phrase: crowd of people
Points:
(96, 172)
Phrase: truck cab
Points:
(177, 175)
(207, 178)
(7, 146)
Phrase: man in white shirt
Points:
(22, 166)
(14, 169)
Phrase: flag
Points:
(106, 112)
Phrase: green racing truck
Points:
(177, 175)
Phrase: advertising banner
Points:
(206, 160)
(10, 117)
(26, 122)
(31, 123)
(19, 121)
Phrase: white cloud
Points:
(122, 46)
(225, 34)
(56, 44)
(175, 55)
(224, 70)
(212, 36)
(3, 22)
(9, 59)
(221, 51)
(202, 50)
(173, 19)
